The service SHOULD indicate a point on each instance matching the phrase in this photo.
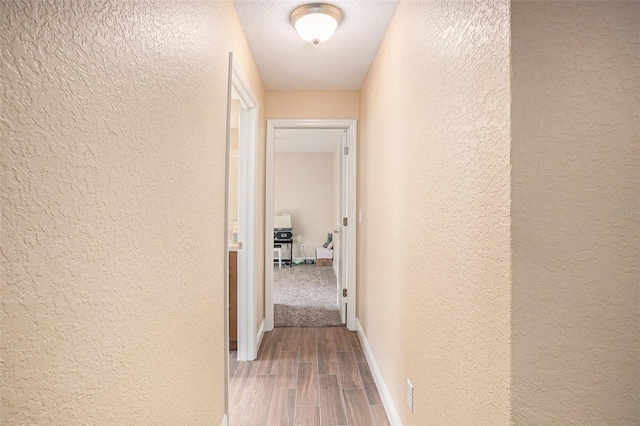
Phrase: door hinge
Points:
(345, 221)
(346, 150)
(344, 292)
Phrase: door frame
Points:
(247, 214)
(343, 202)
(349, 232)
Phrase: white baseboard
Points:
(392, 414)
(260, 335)
(225, 421)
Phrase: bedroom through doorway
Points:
(308, 193)
(306, 201)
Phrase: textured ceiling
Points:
(286, 62)
(307, 140)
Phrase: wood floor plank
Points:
(283, 406)
(266, 338)
(265, 346)
(307, 415)
(341, 338)
(242, 379)
(379, 415)
(370, 387)
(331, 408)
(291, 339)
(240, 390)
(307, 350)
(235, 415)
(307, 386)
(233, 363)
(268, 359)
(265, 390)
(257, 410)
(325, 345)
(287, 375)
(274, 336)
(348, 370)
(357, 408)
(356, 346)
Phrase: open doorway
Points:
(233, 233)
(314, 219)
(242, 133)
(307, 180)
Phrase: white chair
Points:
(279, 251)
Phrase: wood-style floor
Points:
(305, 376)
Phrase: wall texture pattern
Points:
(576, 233)
(312, 104)
(112, 237)
(434, 255)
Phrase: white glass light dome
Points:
(316, 23)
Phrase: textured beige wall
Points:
(302, 188)
(312, 105)
(113, 130)
(576, 171)
(434, 189)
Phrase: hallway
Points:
(305, 376)
(495, 218)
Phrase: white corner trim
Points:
(260, 335)
(225, 421)
(247, 209)
(390, 409)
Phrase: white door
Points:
(337, 268)
(340, 246)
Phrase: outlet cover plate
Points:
(410, 395)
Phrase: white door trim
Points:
(247, 144)
(350, 230)
(343, 204)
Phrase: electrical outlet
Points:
(304, 246)
(410, 395)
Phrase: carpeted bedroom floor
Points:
(305, 296)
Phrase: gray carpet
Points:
(305, 296)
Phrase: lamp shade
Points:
(316, 23)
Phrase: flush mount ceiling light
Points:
(316, 22)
